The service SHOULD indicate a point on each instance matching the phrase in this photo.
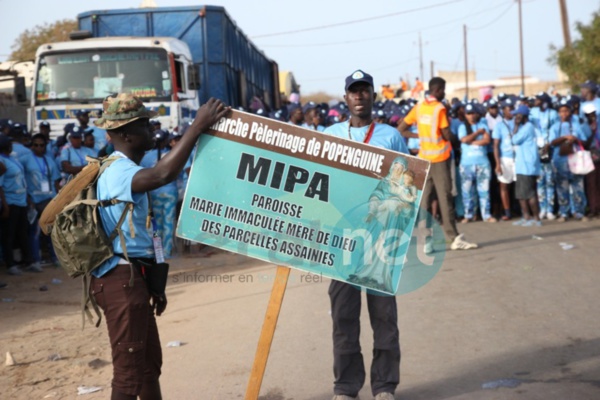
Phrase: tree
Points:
(28, 42)
(581, 61)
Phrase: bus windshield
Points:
(91, 75)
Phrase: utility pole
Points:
(521, 47)
(431, 69)
(466, 63)
(422, 78)
(564, 17)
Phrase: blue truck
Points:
(173, 58)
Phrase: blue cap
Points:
(502, 96)
(492, 103)
(184, 127)
(457, 105)
(18, 129)
(160, 135)
(155, 122)
(76, 132)
(79, 113)
(522, 110)
(471, 108)
(311, 105)
(175, 136)
(565, 102)
(358, 76)
(4, 122)
(574, 99)
(45, 124)
(508, 102)
(293, 107)
(589, 84)
(262, 112)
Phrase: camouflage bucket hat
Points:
(121, 110)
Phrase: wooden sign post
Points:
(267, 333)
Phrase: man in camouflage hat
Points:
(117, 286)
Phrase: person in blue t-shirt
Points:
(42, 178)
(19, 138)
(592, 180)
(14, 227)
(164, 198)
(589, 95)
(345, 299)
(527, 167)
(474, 164)
(118, 286)
(543, 117)
(72, 157)
(569, 187)
(505, 155)
(100, 139)
(312, 117)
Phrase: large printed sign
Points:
(304, 199)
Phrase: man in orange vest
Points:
(434, 137)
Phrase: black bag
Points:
(544, 153)
(155, 274)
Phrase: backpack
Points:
(73, 221)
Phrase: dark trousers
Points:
(14, 231)
(348, 364)
(592, 182)
(439, 181)
(132, 330)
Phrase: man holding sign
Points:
(348, 362)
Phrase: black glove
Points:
(159, 304)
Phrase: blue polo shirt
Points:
(149, 161)
(527, 159)
(115, 183)
(560, 129)
(503, 132)
(20, 152)
(76, 156)
(14, 186)
(383, 135)
(40, 175)
(472, 154)
(542, 121)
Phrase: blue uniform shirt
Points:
(527, 159)
(149, 161)
(76, 156)
(383, 135)
(560, 129)
(542, 121)
(20, 152)
(503, 132)
(40, 175)
(115, 183)
(14, 186)
(472, 154)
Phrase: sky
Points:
(380, 37)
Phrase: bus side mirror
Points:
(20, 90)
(193, 78)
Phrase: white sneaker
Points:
(550, 216)
(428, 248)
(343, 397)
(543, 215)
(385, 396)
(460, 243)
(34, 267)
(15, 270)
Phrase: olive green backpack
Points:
(80, 242)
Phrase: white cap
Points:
(589, 108)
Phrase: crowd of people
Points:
(33, 168)
(509, 158)
(493, 142)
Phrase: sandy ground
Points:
(518, 308)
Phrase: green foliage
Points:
(581, 61)
(28, 42)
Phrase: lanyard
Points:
(42, 166)
(367, 136)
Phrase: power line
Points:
(314, 28)
(494, 20)
(379, 37)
